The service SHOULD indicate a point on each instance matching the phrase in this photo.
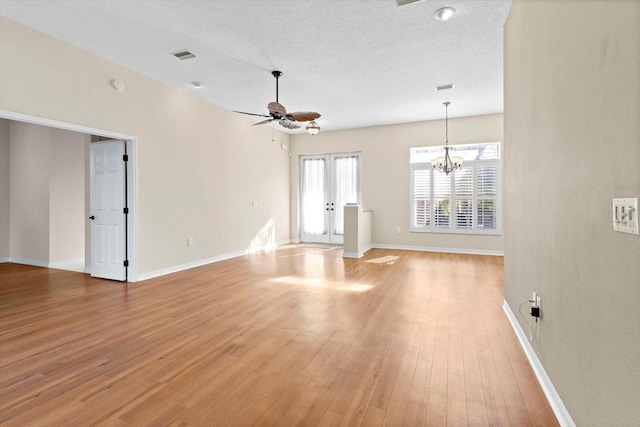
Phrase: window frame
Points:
(452, 228)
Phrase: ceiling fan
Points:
(279, 113)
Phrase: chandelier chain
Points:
(446, 164)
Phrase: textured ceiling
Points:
(357, 62)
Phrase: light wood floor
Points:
(296, 336)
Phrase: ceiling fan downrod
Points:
(277, 75)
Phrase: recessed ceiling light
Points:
(444, 13)
(196, 84)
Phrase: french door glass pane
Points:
(313, 196)
(346, 181)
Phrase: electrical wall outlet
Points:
(398, 230)
(536, 299)
(189, 241)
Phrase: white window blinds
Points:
(465, 201)
(421, 198)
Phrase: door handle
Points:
(92, 217)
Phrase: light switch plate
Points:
(625, 215)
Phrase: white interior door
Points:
(327, 183)
(108, 202)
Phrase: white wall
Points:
(199, 166)
(385, 175)
(4, 189)
(572, 128)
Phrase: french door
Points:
(327, 183)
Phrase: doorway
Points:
(129, 244)
(327, 183)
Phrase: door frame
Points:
(132, 178)
(329, 191)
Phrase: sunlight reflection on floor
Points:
(320, 283)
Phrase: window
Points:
(465, 201)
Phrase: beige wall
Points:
(385, 174)
(572, 136)
(46, 193)
(66, 197)
(199, 166)
(29, 192)
(4, 189)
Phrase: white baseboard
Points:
(352, 254)
(563, 416)
(356, 254)
(182, 267)
(63, 265)
(437, 249)
(29, 262)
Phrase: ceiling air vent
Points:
(444, 87)
(183, 54)
(406, 2)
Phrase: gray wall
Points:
(67, 198)
(4, 189)
(572, 143)
(29, 192)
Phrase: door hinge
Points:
(126, 211)
(126, 263)
(125, 157)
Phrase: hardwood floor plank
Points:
(295, 336)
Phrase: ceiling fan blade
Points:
(251, 114)
(263, 122)
(276, 108)
(303, 116)
(288, 124)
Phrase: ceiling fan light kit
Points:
(313, 127)
(279, 113)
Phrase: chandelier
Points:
(446, 164)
